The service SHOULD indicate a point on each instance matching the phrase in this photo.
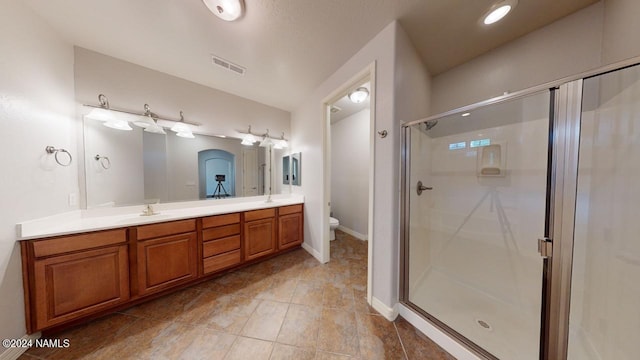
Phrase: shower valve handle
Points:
(421, 188)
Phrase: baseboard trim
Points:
(443, 340)
(310, 250)
(15, 353)
(353, 233)
(389, 313)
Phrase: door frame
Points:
(369, 72)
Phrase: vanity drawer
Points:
(220, 246)
(220, 232)
(61, 245)
(220, 220)
(164, 229)
(259, 214)
(222, 261)
(291, 209)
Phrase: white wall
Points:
(598, 35)
(130, 86)
(393, 55)
(568, 46)
(350, 171)
(36, 110)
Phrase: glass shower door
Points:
(476, 204)
(604, 317)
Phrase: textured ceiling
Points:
(288, 46)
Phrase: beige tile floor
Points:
(288, 307)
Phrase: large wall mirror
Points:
(136, 167)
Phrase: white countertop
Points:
(80, 221)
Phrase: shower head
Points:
(430, 124)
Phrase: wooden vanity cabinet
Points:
(74, 276)
(259, 233)
(221, 242)
(290, 226)
(166, 255)
(68, 278)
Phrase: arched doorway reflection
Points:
(217, 173)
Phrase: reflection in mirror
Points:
(295, 169)
(285, 170)
(151, 168)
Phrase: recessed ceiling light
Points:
(498, 11)
(227, 10)
(466, 114)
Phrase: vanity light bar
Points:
(265, 135)
(153, 115)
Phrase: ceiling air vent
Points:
(227, 65)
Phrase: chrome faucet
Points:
(148, 211)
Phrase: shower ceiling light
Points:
(359, 95)
(227, 10)
(498, 11)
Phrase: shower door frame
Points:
(405, 219)
(562, 177)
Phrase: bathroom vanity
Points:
(91, 266)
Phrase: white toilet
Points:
(333, 224)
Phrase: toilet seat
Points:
(333, 221)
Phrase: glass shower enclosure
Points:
(483, 185)
(477, 197)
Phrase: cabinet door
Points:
(166, 261)
(260, 238)
(290, 230)
(75, 285)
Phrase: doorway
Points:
(217, 173)
(344, 184)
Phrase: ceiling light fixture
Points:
(102, 113)
(181, 129)
(248, 139)
(149, 123)
(359, 95)
(498, 11)
(266, 140)
(145, 120)
(281, 143)
(465, 114)
(227, 10)
(119, 119)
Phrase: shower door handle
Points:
(421, 188)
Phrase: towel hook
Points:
(52, 150)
